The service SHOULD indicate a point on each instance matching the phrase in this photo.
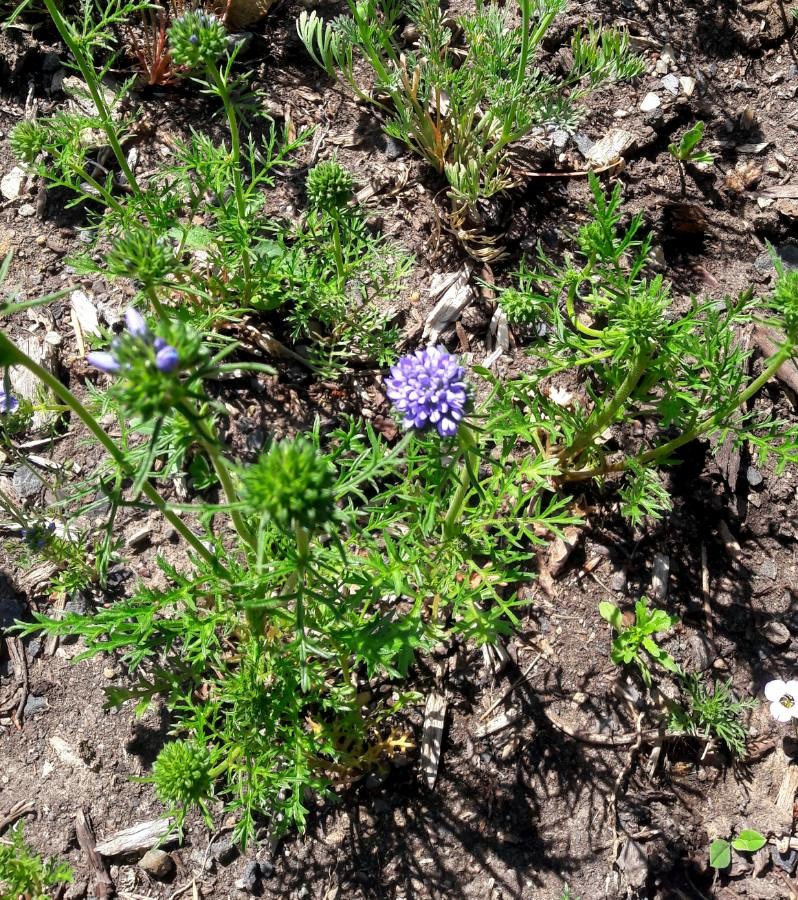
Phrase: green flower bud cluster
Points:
(197, 38)
(292, 483)
(142, 255)
(785, 300)
(28, 139)
(329, 186)
(182, 774)
(147, 367)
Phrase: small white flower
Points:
(783, 697)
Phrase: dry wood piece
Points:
(452, 293)
(659, 578)
(432, 737)
(596, 738)
(137, 838)
(17, 811)
(103, 886)
(503, 720)
(561, 550)
(788, 373)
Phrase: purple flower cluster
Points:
(8, 403)
(166, 357)
(428, 388)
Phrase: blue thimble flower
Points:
(104, 361)
(167, 359)
(428, 388)
(8, 403)
(136, 324)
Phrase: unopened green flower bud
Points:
(197, 38)
(182, 773)
(329, 186)
(292, 483)
(28, 139)
(140, 254)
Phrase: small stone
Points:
(650, 102)
(776, 633)
(687, 85)
(618, 581)
(109, 672)
(85, 312)
(671, 84)
(11, 183)
(660, 576)
(393, 149)
(10, 610)
(26, 482)
(768, 569)
(34, 705)
(266, 868)
(157, 863)
(26, 210)
(753, 476)
(559, 138)
(250, 879)
(224, 851)
(786, 861)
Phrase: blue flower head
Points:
(428, 388)
(8, 403)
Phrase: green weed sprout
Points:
(635, 643)
(183, 777)
(686, 152)
(24, 874)
(747, 841)
(711, 712)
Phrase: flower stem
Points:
(705, 425)
(224, 93)
(607, 415)
(9, 351)
(90, 77)
(467, 440)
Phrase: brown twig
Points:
(596, 738)
(17, 811)
(103, 886)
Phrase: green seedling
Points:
(686, 152)
(633, 644)
(747, 841)
(711, 712)
(24, 874)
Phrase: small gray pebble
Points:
(250, 879)
(754, 476)
(787, 862)
(768, 569)
(34, 705)
(26, 482)
(776, 633)
(224, 850)
(157, 863)
(393, 149)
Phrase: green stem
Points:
(149, 290)
(209, 445)
(607, 415)
(704, 426)
(10, 352)
(775, 363)
(90, 77)
(297, 581)
(468, 442)
(235, 156)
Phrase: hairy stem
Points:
(90, 77)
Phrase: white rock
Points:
(26, 210)
(688, 85)
(11, 184)
(650, 102)
(671, 84)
